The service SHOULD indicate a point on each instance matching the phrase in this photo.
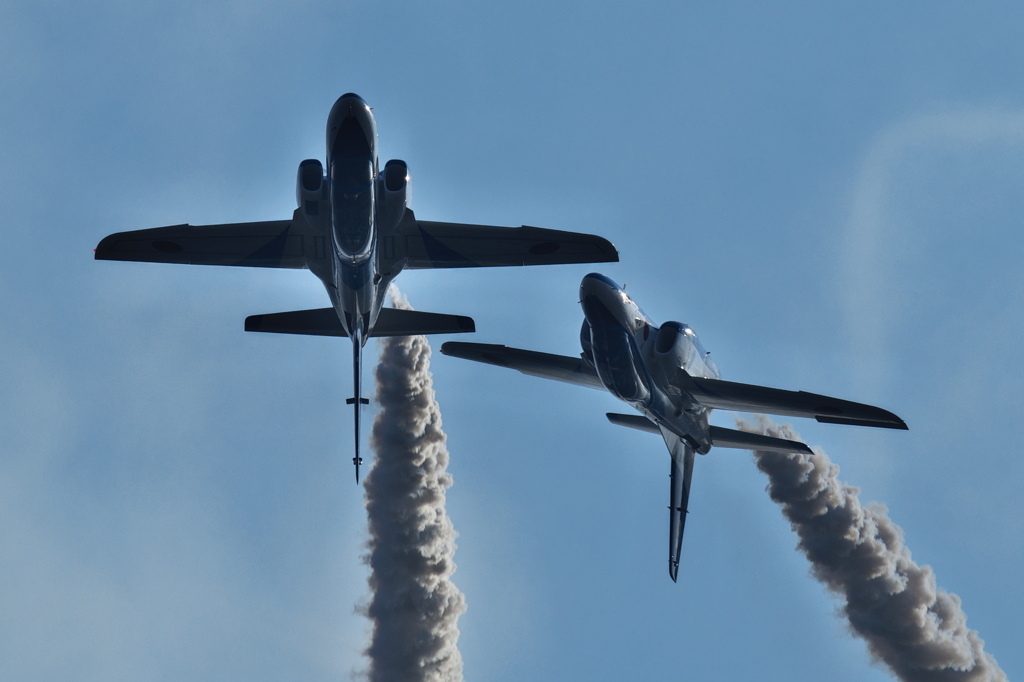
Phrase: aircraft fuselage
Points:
(355, 285)
(636, 360)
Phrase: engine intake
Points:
(309, 186)
(393, 192)
(396, 175)
(668, 335)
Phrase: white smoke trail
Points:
(414, 606)
(917, 630)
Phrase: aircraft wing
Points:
(558, 367)
(269, 244)
(729, 395)
(456, 245)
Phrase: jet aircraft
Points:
(671, 380)
(354, 230)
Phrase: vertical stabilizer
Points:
(357, 400)
(679, 496)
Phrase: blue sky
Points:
(830, 195)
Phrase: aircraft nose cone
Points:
(349, 104)
(350, 101)
(351, 113)
(596, 284)
(600, 296)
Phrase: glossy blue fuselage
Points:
(636, 361)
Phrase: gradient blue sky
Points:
(830, 194)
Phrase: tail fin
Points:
(358, 400)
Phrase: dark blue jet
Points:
(667, 376)
(354, 231)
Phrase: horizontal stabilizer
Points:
(352, 401)
(398, 322)
(390, 322)
(731, 438)
(318, 322)
(720, 437)
(634, 421)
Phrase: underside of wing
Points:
(456, 245)
(557, 367)
(729, 395)
(269, 244)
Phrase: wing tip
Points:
(891, 421)
(468, 350)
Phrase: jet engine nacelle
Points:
(671, 347)
(676, 346)
(309, 187)
(393, 193)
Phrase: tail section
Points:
(680, 474)
(390, 322)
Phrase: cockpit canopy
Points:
(351, 174)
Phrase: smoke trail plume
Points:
(414, 606)
(917, 630)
